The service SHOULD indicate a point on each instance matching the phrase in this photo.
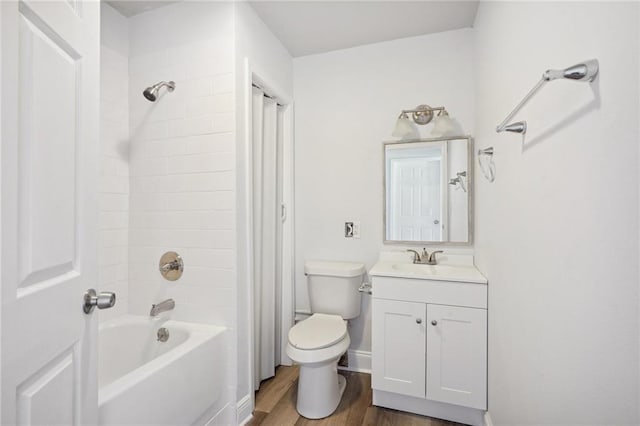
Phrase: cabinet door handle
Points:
(418, 320)
(434, 322)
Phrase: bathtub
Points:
(144, 381)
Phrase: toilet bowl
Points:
(318, 342)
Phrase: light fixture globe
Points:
(443, 125)
(404, 127)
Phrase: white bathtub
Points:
(143, 381)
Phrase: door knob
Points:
(418, 320)
(103, 300)
(436, 221)
(434, 322)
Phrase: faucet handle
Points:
(416, 255)
(432, 257)
(425, 253)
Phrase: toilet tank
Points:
(333, 287)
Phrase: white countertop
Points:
(459, 268)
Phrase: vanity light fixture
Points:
(424, 114)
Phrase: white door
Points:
(457, 355)
(416, 201)
(49, 123)
(398, 347)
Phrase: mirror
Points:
(428, 191)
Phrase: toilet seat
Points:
(317, 332)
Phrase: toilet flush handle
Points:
(365, 288)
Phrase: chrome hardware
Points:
(165, 305)
(104, 300)
(486, 151)
(431, 260)
(488, 169)
(416, 256)
(171, 266)
(434, 322)
(418, 320)
(585, 71)
(365, 288)
(163, 334)
(436, 222)
(425, 258)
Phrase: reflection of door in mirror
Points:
(416, 198)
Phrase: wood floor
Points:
(276, 405)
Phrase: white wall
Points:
(347, 102)
(114, 159)
(557, 232)
(183, 166)
(255, 44)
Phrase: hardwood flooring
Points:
(276, 405)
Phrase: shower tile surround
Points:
(168, 178)
(114, 165)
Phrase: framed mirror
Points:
(428, 191)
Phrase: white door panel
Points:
(457, 355)
(398, 347)
(49, 109)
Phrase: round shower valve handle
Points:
(104, 300)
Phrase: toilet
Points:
(318, 342)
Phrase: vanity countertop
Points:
(449, 268)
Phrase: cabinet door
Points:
(398, 347)
(457, 355)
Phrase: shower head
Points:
(151, 93)
(585, 71)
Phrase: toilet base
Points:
(320, 390)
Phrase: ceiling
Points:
(308, 27)
(133, 7)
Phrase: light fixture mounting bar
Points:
(408, 111)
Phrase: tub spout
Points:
(163, 306)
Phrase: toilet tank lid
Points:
(333, 268)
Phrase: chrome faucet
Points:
(165, 305)
(425, 258)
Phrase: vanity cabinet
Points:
(429, 347)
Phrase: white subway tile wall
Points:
(114, 163)
(168, 169)
(182, 169)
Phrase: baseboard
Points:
(359, 361)
(244, 410)
(487, 419)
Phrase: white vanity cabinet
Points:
(429, 347)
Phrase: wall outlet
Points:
(352, 229)
(348, 229)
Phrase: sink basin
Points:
(418, 268)
(460, 273)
